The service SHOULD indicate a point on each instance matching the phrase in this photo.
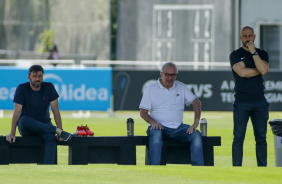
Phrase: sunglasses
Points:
(172, 75)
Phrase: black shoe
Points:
(65, 136)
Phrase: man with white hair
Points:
(165, 100)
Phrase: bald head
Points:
(247, 28)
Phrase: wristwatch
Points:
(255, 53)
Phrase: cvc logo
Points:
(80, 92)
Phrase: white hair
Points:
(169, 64)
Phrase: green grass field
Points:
(219, 124)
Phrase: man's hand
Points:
(251, 46)
(192, 128)
(156, 125)
(59, 138)
(11, 138)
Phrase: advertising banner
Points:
(215, 89)
(79, 89)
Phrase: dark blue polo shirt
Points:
(36, 104)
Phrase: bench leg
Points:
(78, 155)
(127, 155)
(208, 156)
(147, 156)
(4, 155)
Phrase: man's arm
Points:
(242, 71)
(16, 116)
(145, 115)
(197, 115)
(57, 117)
(261, 65)
(56, 112)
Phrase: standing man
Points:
(31, 113)
(248, 65)
(165, 100)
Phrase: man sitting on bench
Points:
(31, 113)
(165, 100)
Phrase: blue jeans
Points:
(30, 127)
(180, 134)
(259, 116)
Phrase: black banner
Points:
(213, 88)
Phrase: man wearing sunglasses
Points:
(165, 100)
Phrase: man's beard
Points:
(36, 85)
(245, 44)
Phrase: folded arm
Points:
(261, 65)
(242, 71)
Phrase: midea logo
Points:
(67, 92)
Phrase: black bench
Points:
(24, 150)
(117, 149)
(82, 150)
(174, 152)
